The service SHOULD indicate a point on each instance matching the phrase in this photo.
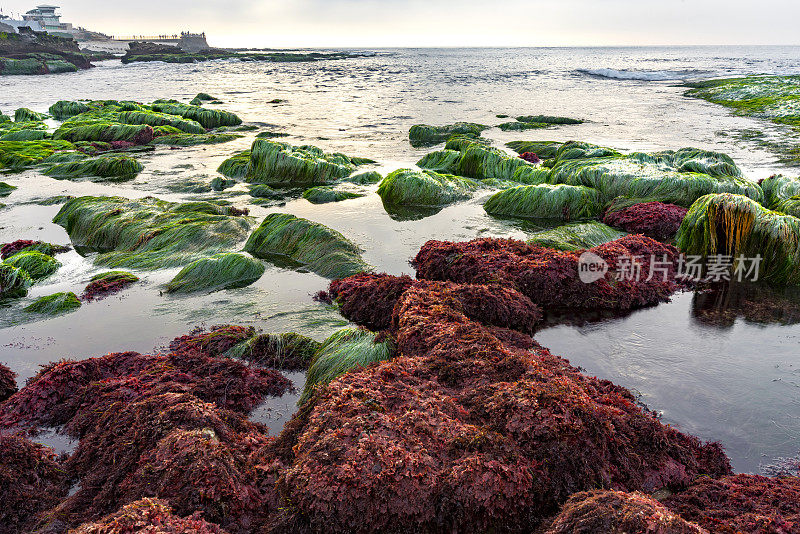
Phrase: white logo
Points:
(591, 267)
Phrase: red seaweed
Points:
(9, 249)
(8, 382)
(368, 299)
(748, 504)
(616, 512)
(104, 287)
(32, 480)
(530, 157)
(654, 219)
(462, 432)
(68, 389)
(149, 516)
(550, 277)
(214, 342)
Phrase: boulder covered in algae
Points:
(8, 382)
(283, 165)
(149, 233)
(654, 219)
(406, 187)
(33, 479)
(739, 227)
(342, 352)
(36, 264)
(677, 177)
(551, 279)
(424, 135)
(741, 503)
(14, 282)
(462, 431)
(545, 201)
(112, 168)
(55, 304)
(576, 236)
(617, 512)
(221, 271)
(108, 283)
(148, 515)
(306, 243)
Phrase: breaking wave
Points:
(642, 75)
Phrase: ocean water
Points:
(737, 383)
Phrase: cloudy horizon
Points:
(418, 23)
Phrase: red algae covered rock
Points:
(105, 284)
(653, 219)
(8, 382)
(530, 157)
(32, 479)
(9, 249)
(61, 391)
(148, 516)
(616, 512)
(214, 342)
(465, 433)
(368, 299)
(550, 277)
(171, 446)
(747, 504)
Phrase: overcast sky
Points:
(372, 23)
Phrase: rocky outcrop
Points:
(30, 52)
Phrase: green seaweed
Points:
(543, 149)
(460, 142)
(38, 266)
(236, 166)
(203, 97)
(99, 131)
(215, 273)
(423, 135)
(149, 233)
(778, 188)
(485, 162)
(548, 119)
(444, 161)
(546, 201)
(288, 351)
(221, 184)
(55, 304)
(344, 351)
(676, 177)
(115, 275)
(789, 206)
(25, 114)
(522, 126)
(116, 168)
(161, 119)
(735, 225)
(319, 248)
(208, 118)
(6, 189)
(406, 187)
(364, 178)
(14, 282)
(179, 139)
(576, 236)
(64, 109)
(324, 194)
(283, 165)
